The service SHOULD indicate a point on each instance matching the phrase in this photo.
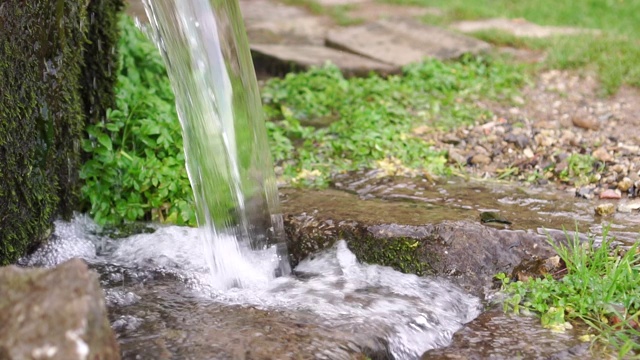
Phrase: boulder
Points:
(57, 313)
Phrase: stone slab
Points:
(305, 56)
(403, 41)
(254, 11)
(299, 30)
(518, 27)
(343, 2)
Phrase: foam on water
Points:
(411, 314)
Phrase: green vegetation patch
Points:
(613, 54)
(323, 123)
(136, 168)
(320, 123)
(601, 287)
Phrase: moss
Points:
(41, 117)
(402, 254)
(100, 71)
(307, 235)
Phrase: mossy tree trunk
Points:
(43, 98)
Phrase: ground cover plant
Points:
(613, 53)
(323, 123)
(319, 123)
(600, 285)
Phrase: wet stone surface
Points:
(161, 318)
(495, 335)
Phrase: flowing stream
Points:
(237, 259)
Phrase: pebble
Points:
(610, 194)
(602, 154)
(480, 159)
(585, 122)
(625, 184)
(605, 209)
(628, 207)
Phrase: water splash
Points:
(205, 49)
(407, 313)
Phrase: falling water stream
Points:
(237, 256)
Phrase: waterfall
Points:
(205, 48)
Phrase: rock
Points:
(454, 156)
(400, 42)
(480, 159)
(469, 251)
(496, 335)
(625, 184)
(305, 56)
(528, 153)
(605, 209)
(517, 27)
(610, 194)
(586, 192)
(55, 313)
(629, 207)
(602, 154)
(585, 122)
(521, 140)
(305, 30)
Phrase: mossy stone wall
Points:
(48, 51)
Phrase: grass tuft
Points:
(601, 288)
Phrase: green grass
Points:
(601, 287)
(614, 55)
(323, 123)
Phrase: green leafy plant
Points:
(136, 165)
(601, 287)
(323, 123)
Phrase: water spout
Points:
(205, 49)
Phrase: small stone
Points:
(480, 159)
(585, 122)
(605, 209)
(602, 154)
(625, 184)
(455, 156)
(528, 153)
(586, 192)
(610, 194)
(629, 207)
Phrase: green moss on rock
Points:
(307, 235)
(42, 115)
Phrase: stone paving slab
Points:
(403, 41)
(305, 56)
(518, 27)
(307, 30)
(254, 11)
(343, 2)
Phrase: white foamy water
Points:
(412, 314)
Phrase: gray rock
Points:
(403, 41)
(55, 313)
(305, 56)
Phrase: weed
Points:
(136, 165)
(371, 119)
(601, 287)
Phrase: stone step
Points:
(403, 41)
(282, 58)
